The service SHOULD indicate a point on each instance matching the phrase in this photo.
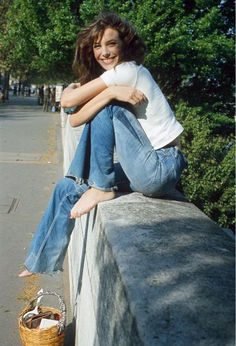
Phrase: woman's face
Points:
(107, 49)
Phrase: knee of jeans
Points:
(108, 111)
(104, 113)
(112, 109)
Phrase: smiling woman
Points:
(108, 49)
(121, 105)
(131, 45)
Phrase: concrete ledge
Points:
(149, 271)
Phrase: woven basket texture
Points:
(41, 337)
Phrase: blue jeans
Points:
(140, 168)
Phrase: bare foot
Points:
(25, 273)
(89, 200)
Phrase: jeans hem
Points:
(106, 189)
(53, 272)
(90, 183)
(34, 258)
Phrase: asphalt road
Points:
(30, 164)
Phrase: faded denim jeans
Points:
(140, 168)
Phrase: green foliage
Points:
(55, 45)
(19, 45)
(188, 52)
(4, 8)
(209, 180)
(36, 41)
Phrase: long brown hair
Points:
(85, 65)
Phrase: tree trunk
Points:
(6, 85)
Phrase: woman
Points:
(121, 106)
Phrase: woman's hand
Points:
(128, 94)
(68, 89)
(76, 94)
(73, 86)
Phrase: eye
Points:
(96, 46)
(113, 43)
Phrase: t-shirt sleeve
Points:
(108, 77)
(123, 74)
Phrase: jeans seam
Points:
(158, 167)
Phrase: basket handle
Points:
(62, 322)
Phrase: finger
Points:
(142, 96)
(142, 100)
(136, 95)
(73, 213)
(134, 101)
(138, 99)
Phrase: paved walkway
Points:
(30, 164)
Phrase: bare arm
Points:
(92, 107)
(76, 95)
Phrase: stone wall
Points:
(147, 271)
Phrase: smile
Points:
(107, 60)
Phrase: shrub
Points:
(209, 180)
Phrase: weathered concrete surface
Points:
(149, 272)
(177, 269)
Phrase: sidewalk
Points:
(30, 164)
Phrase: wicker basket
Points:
(52, 336)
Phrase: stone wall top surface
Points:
(177, 267)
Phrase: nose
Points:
(105, 51)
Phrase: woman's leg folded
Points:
(141, 165)
(48, 248)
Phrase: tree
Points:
(56, 42)
(191, 47)
(4, 7)
(209, 180)
(39, 39)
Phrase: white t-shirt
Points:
(156, 116)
